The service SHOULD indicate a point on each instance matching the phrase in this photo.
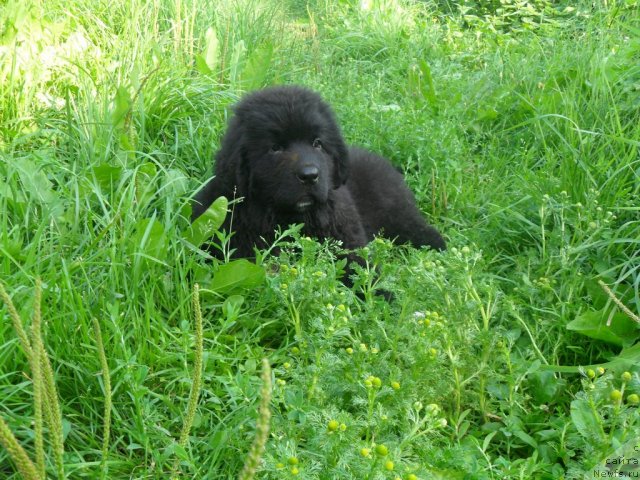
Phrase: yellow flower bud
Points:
(615, 395)
(382, 450)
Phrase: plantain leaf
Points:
(238, 60)
(207, 62)
(626, 359)
(238, 274)
(232, 307)
(149, 238)
(204, 227)
(121, 105)
(35, 182)
(428, 88)
(603, 324)
(255, 71)
(211, 50)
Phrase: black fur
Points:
(284, 154)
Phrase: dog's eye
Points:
(317, 143)
(276, 148)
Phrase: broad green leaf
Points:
(211, 49)
(11, 247)
(148, 169)
(107, 175)
(250, 366)
(201, 65)
(525, 437)
(145, 190)
(428, 87)
(180, 452)
(175, 183)
(238, 274)
(487, 440)
(126, 141)
(121, 106)
(237, 61)
(232, 306)
(626, 359)
(204, 227)
(294, 397)
(420, 83)
(5, 190)
(218, 437)
(207, 62)
(254, 74)
(67, 426)
(35, 182)
(599, 298)
(150, 238)
(487, 114)
(544, 386)
(462, 428)
(447, 474)
(616, 328)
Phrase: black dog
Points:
(283, 153)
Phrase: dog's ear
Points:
(242, 175)
(334, 144)
(340, 155)
(231, 167)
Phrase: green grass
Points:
(516, 124)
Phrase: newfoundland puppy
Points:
(284, 156)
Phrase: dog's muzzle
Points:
(308, 175)
(303, 205)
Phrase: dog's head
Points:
(284, 148)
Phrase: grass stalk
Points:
(106, 379)
(197, 375)
(17, 323)
(23, 463)
(262, 426)
(618, 302)
(50, 402)
(53, 412)
(38, 383)
(456, 382)
(45, 392)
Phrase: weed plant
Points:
(512, 355)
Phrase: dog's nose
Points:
(308, 175)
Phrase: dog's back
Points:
(385, 203)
